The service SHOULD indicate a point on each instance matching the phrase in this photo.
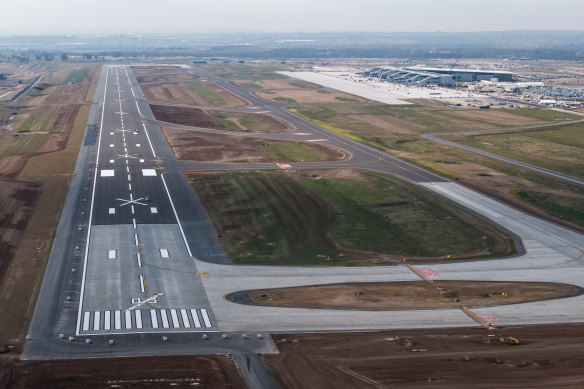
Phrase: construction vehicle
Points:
(509, 340)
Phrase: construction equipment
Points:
(509, 340)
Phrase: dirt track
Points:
(143, 372)
(547, 357)
(411, 294)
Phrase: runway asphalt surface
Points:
(117, 254)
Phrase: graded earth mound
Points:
(406, 295)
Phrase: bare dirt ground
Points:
(204, 119)
(410, 295)
(178, 93)
(39, 181)
(549, 356)
(140, 372)
(18, 200)
(208, 147)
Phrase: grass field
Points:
(251, 76)
(542, 195)
(18, 144)
(208, 95)
(243, 122)
(242, 68)
(344, 217)
(76, 76)
(293, 152)
(557, 148)
(36, 122)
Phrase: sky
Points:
(158, 16)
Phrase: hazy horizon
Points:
(81, 17)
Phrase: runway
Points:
(132, 229)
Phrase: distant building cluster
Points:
(425, 76)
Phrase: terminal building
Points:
(424, 76)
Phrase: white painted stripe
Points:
(142, 283)
(132, 209)
(139, 259)
(136, 239)
(195, 318)
(111, 161)
(96, 321)
(125, 142)
(131, 197)
(107, 320)
(185, 318)
(117, 320)
(176, 216)
(153, 210)
(127, 162)
(137, 144)
(112, 145)
(112, 211)
(128, 320)
(164, 318)
(164, 253)
(174, 317)
(111, 132)
(126, 150)
(129, 178)
(148, 137)
(154, 318)
(205, 317)
(141, 161)
(129, 186)
(127, 169)
(86, 318)
(111, 254)
(138, 318)
(134, 222)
